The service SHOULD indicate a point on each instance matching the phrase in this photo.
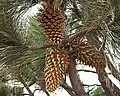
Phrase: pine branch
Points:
(107, 85)
(68, 89)
(113, 70)
(76, 83)
(41, 47)
(26, 86)
(66, 86)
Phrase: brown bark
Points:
(114, 72)
(71, 92)
(68, 89)
(107, 85)
(75, 81)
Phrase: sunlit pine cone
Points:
(55, 66)
(52, 22)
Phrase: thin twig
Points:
(66, 86)
(35, 48)
(86, 71)
(91, 85)
(36, 90)
(40, 47)
(68, 89)
(26, 86)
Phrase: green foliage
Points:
(97, 92)
(36, 37)
(6, 90)
(35, 32)
(11, 43)
(16, 59)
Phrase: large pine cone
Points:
(52, 21)
(55, 66)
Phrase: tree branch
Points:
(68, 89)
(35, 48)
(114, 72)
(107, 85)
(75, 81)
(40, 47)
(66, 86)
(26, 86)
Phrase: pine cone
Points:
(55, 66)
(87, 53)
(52, 21)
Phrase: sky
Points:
(86, 78)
